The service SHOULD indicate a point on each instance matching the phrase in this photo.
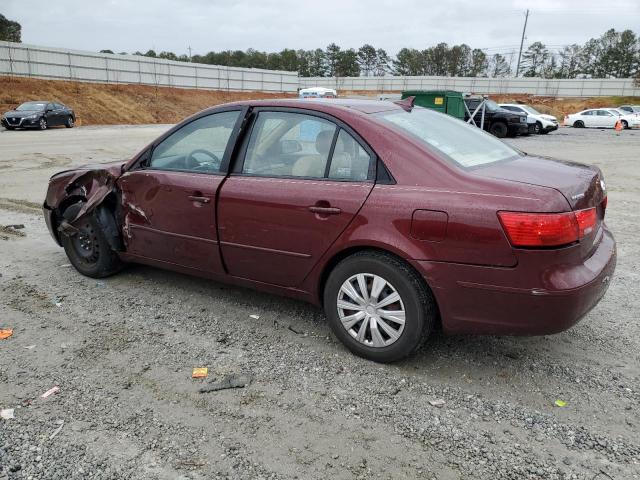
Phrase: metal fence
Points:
(55, 63)
(482, 85)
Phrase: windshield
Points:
(529, 109)
(466, 145)
(31, 106)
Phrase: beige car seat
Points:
(314, 165)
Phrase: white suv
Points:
(541, 123)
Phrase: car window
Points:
(510, 108)
(587, 112)
(50, 106)
(284, 144)
(464, 144)
(198, 146)
(349, 161)
(604, 113)
(58, 106)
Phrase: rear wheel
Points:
(378, 306)
(578, 124)
(88, 249)
(69, 123)
(538, 128)
(498, 129)
(42, 124)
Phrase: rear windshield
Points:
(464, 144)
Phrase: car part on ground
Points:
(407, 212)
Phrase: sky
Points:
(271, 25)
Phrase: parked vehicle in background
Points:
(593, 117)
(317, 92)
(393, 217)
(497, 121)
(39, 114)
(630, 108)
(542, 122)
(628, 120)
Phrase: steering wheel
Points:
(192, 164)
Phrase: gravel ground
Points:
(122, 349)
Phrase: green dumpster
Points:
(445, 101)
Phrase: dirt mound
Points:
(100, 104)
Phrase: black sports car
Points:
(38, 114)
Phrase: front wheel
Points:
(88, 249)
(42, 124)
(378, 306)
(625, 124)
(498, 129)
(538, 128)
(69, 123)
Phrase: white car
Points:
(628, 120)
(317, 92)
(598, 118)
(630, 109)
(541, 122)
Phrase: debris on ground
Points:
(7, 413)
(12, 230)
(294, 330)
(5, 333)
(437, 403)
(29, 347)
(560, 403)
(50, 392)
(57, 430)
(255, 317)
(229, 381)
(200, 372)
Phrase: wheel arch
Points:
(340, 255)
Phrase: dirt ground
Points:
(114, 104)
(121, 350)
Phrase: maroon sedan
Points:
(394, 218)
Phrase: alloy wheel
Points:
(371, 310)
(43, 124)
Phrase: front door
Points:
(606, 119)
(300, 181)
(169, 202)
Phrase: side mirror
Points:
(47, 110)
(287, 147)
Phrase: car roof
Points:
(324, 104)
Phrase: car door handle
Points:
(195, 198)
(325, 210)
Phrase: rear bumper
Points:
(520, 300)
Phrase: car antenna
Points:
(406, 103)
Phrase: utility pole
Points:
(524, 29)
(189, 48)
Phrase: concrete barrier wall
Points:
(55, 63)
(482, 85)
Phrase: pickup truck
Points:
(497, 121)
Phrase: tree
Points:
(498, 66)
(569, 61)
(479, 63)
(408, 61)
(150, 53)
(167, 56)
(10, 31)
(332, 55)
(534, 59)
(347, 64)
(367, 59)
(106, 51)
(382, 63)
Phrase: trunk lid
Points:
(580, 184)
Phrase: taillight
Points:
(547, 229)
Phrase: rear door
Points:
(589, 118)
(299, 181)
(169, 202)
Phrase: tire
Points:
(10, 128)
(69, 123)
(578, 124)
(415, 300)
(42, 124)
(538, 128)
(625, 124)
(498, 129)
(88, 250)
